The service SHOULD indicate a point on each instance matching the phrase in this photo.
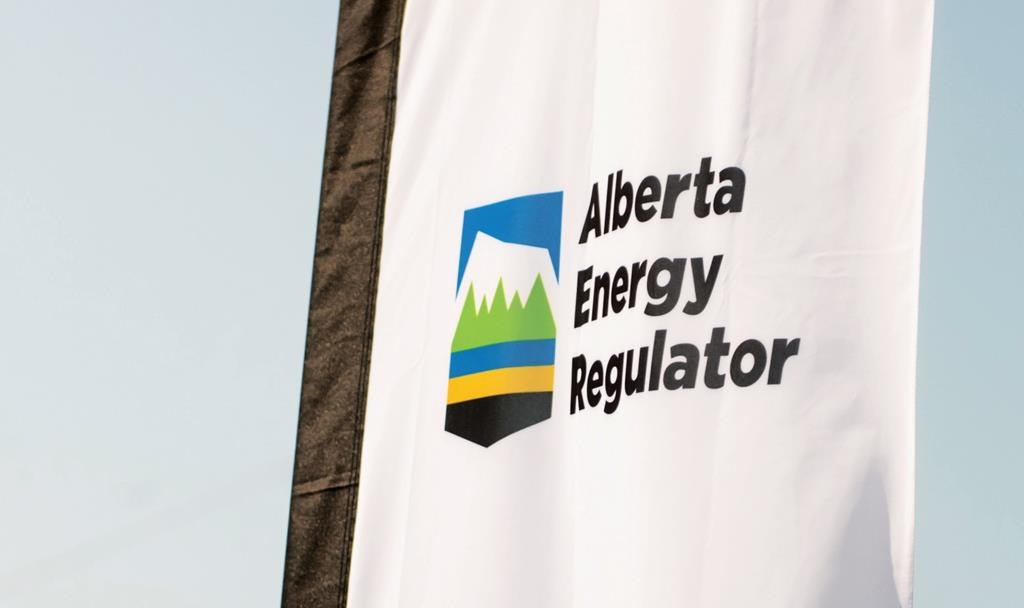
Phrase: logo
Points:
(502, 368)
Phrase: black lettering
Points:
(623, 192)
(647, 193)
(594, 383)
(703, 179)
(639, 271)
(782, 350)
(657, 352)
(579, 372)
(682, 374)
(602, 291)
(702, 285)
(608, 205)
(613, 386)
(714, 351)
(620, 284)
(746, 378)
(634, 382)
(582, 295)
(593, 221)
(675, 186)
(669, 292)
(734, 190)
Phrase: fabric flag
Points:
(614, 304)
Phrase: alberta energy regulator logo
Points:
(501, 374)
(502, 364)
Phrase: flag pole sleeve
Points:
(332, 408)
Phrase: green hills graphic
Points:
(502, 322)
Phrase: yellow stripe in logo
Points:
(532, 379)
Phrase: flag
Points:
(614, 304)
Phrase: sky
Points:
(159, 178)
(159, 173)
(970, 453)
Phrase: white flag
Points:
(645, 323)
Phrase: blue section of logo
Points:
(506, 354)
(534, 220)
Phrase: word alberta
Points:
(620, 204)
(660, 286)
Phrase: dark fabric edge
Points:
(357, 152)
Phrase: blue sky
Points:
(970, 526)
(159, 172)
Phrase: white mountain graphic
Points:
(516, 265)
